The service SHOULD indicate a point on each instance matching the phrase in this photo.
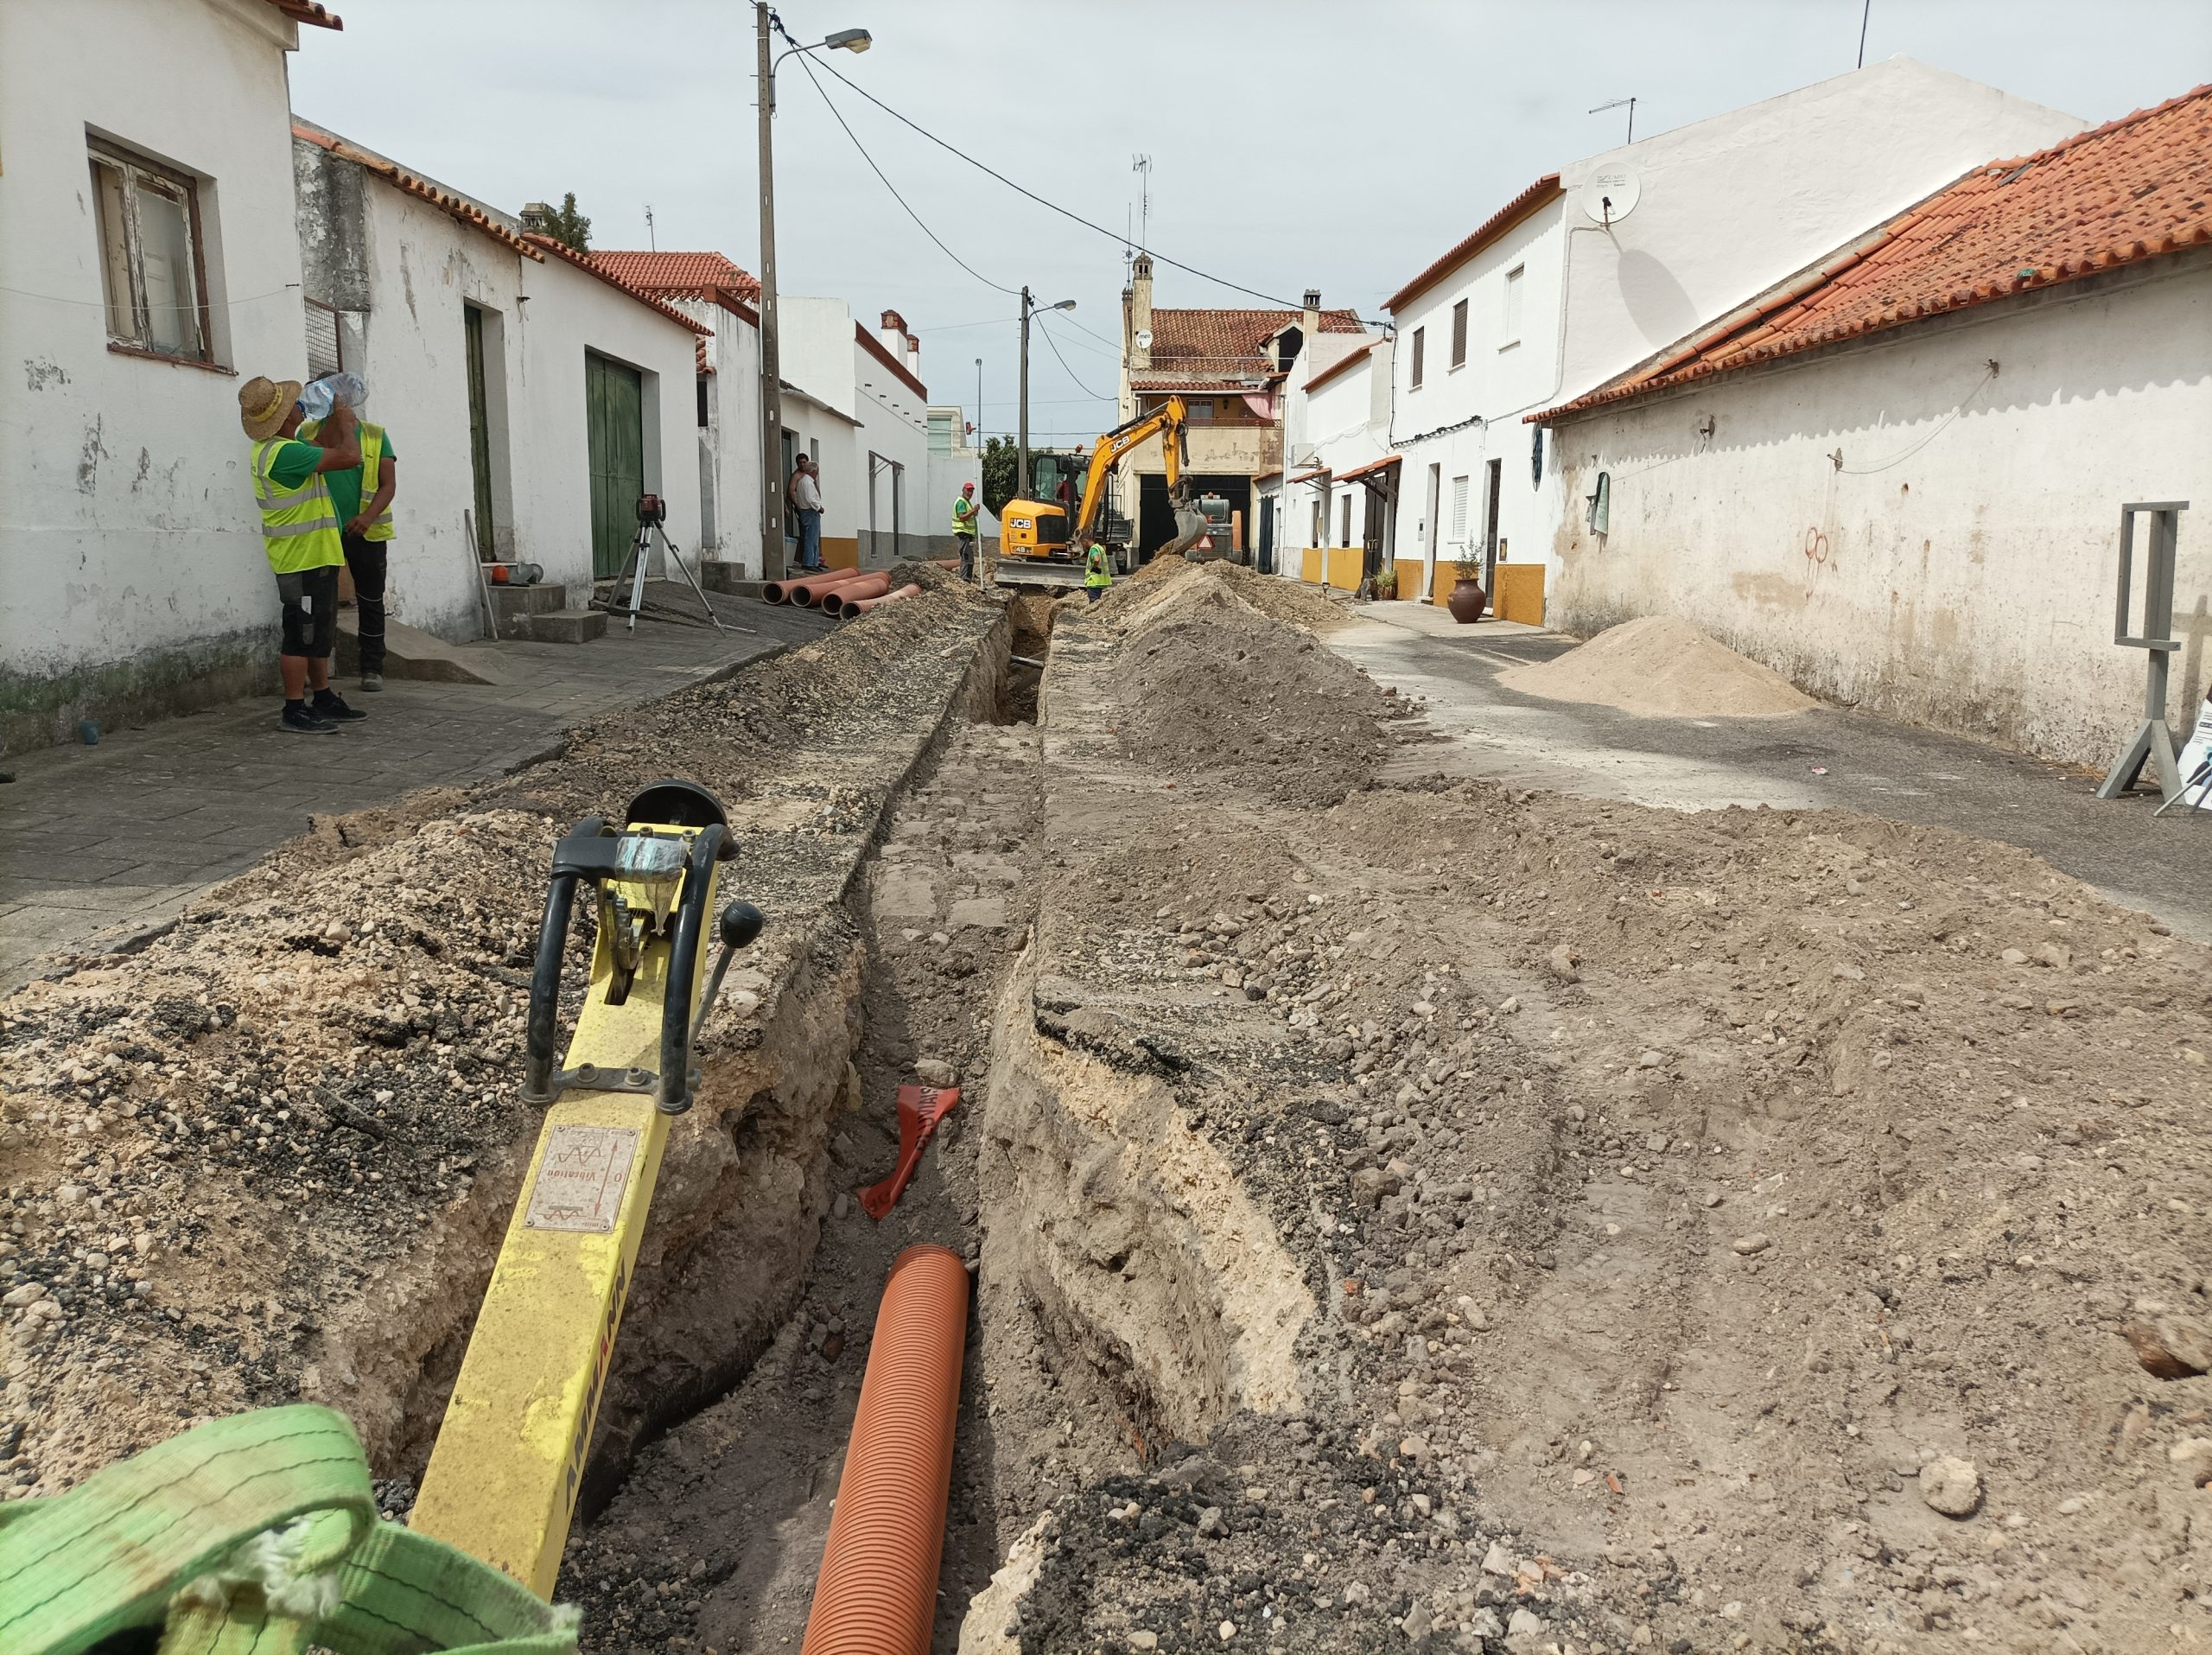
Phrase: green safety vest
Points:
(1095, 570)
(298, 526)
(372, 468)
(963, 516)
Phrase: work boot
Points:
(330, 705)
(371, 682)
(299, 720)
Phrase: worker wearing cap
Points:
(299, 531)
(1097, 573)
(963, 530)
(364, 530)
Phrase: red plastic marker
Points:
(920, 1109)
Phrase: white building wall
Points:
(1968, 583)
(1727, 207)
(729, 443)
(567, 312)
(894, 430)
(130, 541)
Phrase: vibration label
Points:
(581, 1178)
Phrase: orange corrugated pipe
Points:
(863, 605)
(876, 1594)
(835, 600)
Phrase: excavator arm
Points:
(1169, 422)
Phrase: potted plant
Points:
(1467, 597)
(1386, 581)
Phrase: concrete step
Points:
(564, 625)
(410, 652)
(514, 605)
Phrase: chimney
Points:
(1311, 320)
(536, 215)
(1140, 311)
(914, 356)
(891, 334)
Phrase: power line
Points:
(1062, 361)
(807, 64)
(1099, 229)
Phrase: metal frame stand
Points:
(2153, 741)
(633, 570)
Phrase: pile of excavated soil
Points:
(1661, 666)
(1738, 1231)
(270, 1157)
(1211, 687)
(1168, 580)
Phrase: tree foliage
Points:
(567, 226)
(999, 469)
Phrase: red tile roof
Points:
(546, 243)
(693, 273)
(1487, 232)
(1371, 466)
(2132, 189)
(436, 195)
(305, 11)
(1224, 341)
(1344, 364)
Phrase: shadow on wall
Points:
(1655, 301)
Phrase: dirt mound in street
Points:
(1130, 601)
(1214, 688)
(1661, 666)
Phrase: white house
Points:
(1338, 502)
(531, 396)
(1897, 475)
(1591, 270)
(147, 264)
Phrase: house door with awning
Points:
(615, 428)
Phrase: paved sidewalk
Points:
(100, 842)
(1828, 758)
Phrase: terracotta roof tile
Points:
(678, 272)
(546, 243)
(1482, 234)
(436, 195)
(1225, 341)
(2132, 189)
(305, 11)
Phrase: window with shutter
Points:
(1459, 333)
(1458, 511)
(1421, 340)
(150, 272)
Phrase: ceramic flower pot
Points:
(1466, 602)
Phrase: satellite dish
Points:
(1611, 193)
(1144, 339)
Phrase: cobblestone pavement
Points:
(103, 842)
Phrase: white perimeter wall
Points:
(1969, 585)
(894, 424)
(130, 541)
(729, 446)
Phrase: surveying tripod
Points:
(653, 511)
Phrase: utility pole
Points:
(772, 394)
(1021, 447)
(982, 566)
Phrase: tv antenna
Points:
(1141, 166)
(1617, 103)
(650, 242)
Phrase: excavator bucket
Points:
(1189, 528)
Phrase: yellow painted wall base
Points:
(1345, 565)
(1520, 594)
(1310, 564)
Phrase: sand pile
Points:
(1211, 686)
(1661, 666)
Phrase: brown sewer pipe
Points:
(862, 606)
(807, 592)
(781, 591)
(876, 1593)
(835, 600)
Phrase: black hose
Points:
(545, 977)
(675, 1094)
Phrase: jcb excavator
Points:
(1039, 547)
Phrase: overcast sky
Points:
(1293, 144)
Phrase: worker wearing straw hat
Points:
(299, 531)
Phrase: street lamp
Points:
(771, 398)
(1023, 482)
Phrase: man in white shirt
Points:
(806, 502)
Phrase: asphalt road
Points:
(1830, 758)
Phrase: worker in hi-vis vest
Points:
(1097, 572)
(963, 530)
(299, 531)
(363, 495)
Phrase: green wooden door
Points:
(614, 420)
(479, 433)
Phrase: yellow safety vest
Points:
(371, 467)
(298, 526)
(963, 516)
(1095, 571)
